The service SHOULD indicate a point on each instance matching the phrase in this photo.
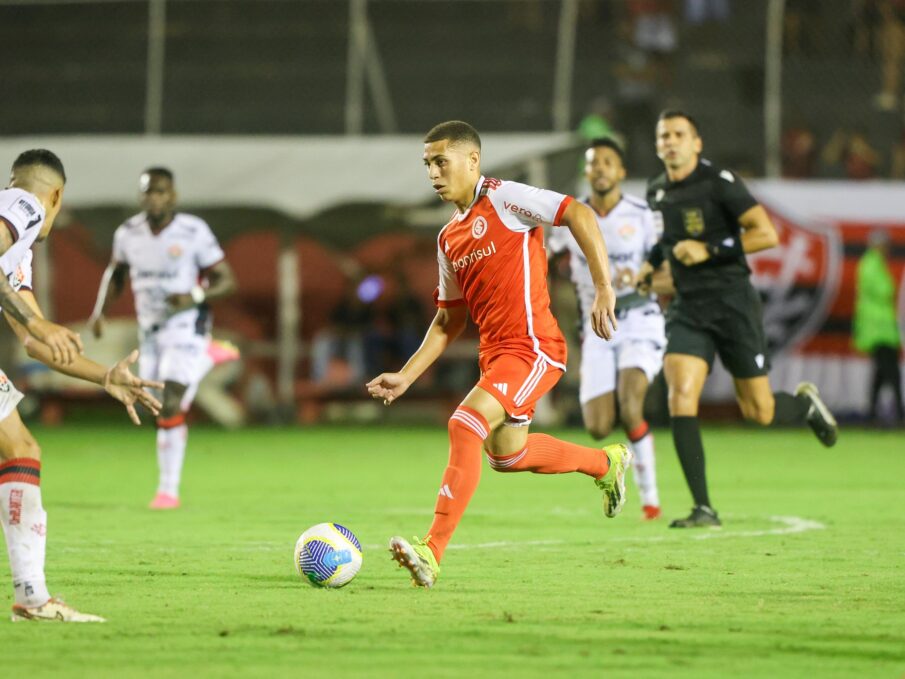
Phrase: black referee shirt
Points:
(705, 206)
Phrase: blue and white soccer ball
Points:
(328, 555)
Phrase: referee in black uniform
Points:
(709, 222)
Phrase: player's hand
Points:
(644, 279)
(96, 323)
(128, 389)
(603, 312)
(691, 252)
(180, 302)
(388, 386)
(65, 345)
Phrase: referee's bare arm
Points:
(758, 232)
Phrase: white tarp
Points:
(298, 175)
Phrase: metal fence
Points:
(810, 85)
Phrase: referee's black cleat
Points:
(820, 419)
(701, 516)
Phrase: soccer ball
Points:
(328, 555)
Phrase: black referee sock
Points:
(686, 435)
(790, 410)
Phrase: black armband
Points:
(726, 250)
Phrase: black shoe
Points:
(820, 419)
(701, 516)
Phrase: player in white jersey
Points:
(28, 208)
(176, 266)
(615, 375)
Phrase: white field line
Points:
(786, 525)
(783, 525)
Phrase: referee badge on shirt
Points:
(478, 227)
(694, 221)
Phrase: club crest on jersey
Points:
(4, 383)
(174, 251)
(626, 231)
(478, 227)
(659, 195)
(694, 221)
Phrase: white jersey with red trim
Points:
(23, 216)
(492, 258)
(169, 262)
(629, 232)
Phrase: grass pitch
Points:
(807, 577)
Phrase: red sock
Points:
(547, 455)
(467, 431)
(638, 433)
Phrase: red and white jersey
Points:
(23, 216)
(166, 263)
(492, 258)
(629, 231)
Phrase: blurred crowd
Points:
(866, 46)
(848, 153)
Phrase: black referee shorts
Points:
(729, 324)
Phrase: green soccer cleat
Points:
(613, 482)
(820, 419)
(418, 558)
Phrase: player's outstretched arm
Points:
(583, 224)
(63, 344)
(447, 325)
(118, 381)
(128, 389)
(112, 283)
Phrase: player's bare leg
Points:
(172, 435)
(599, 415)
(685, 377)
(25, 526)
(631, 389)
(760, 404)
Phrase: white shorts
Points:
(639, 343)
(9, 396)
(179, 356)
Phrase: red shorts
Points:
(516, 383)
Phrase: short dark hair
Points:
(670, 113)
(455, 131)
(608, 143)
(159, 171)
(42, 157)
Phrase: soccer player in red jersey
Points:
(493, 267)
